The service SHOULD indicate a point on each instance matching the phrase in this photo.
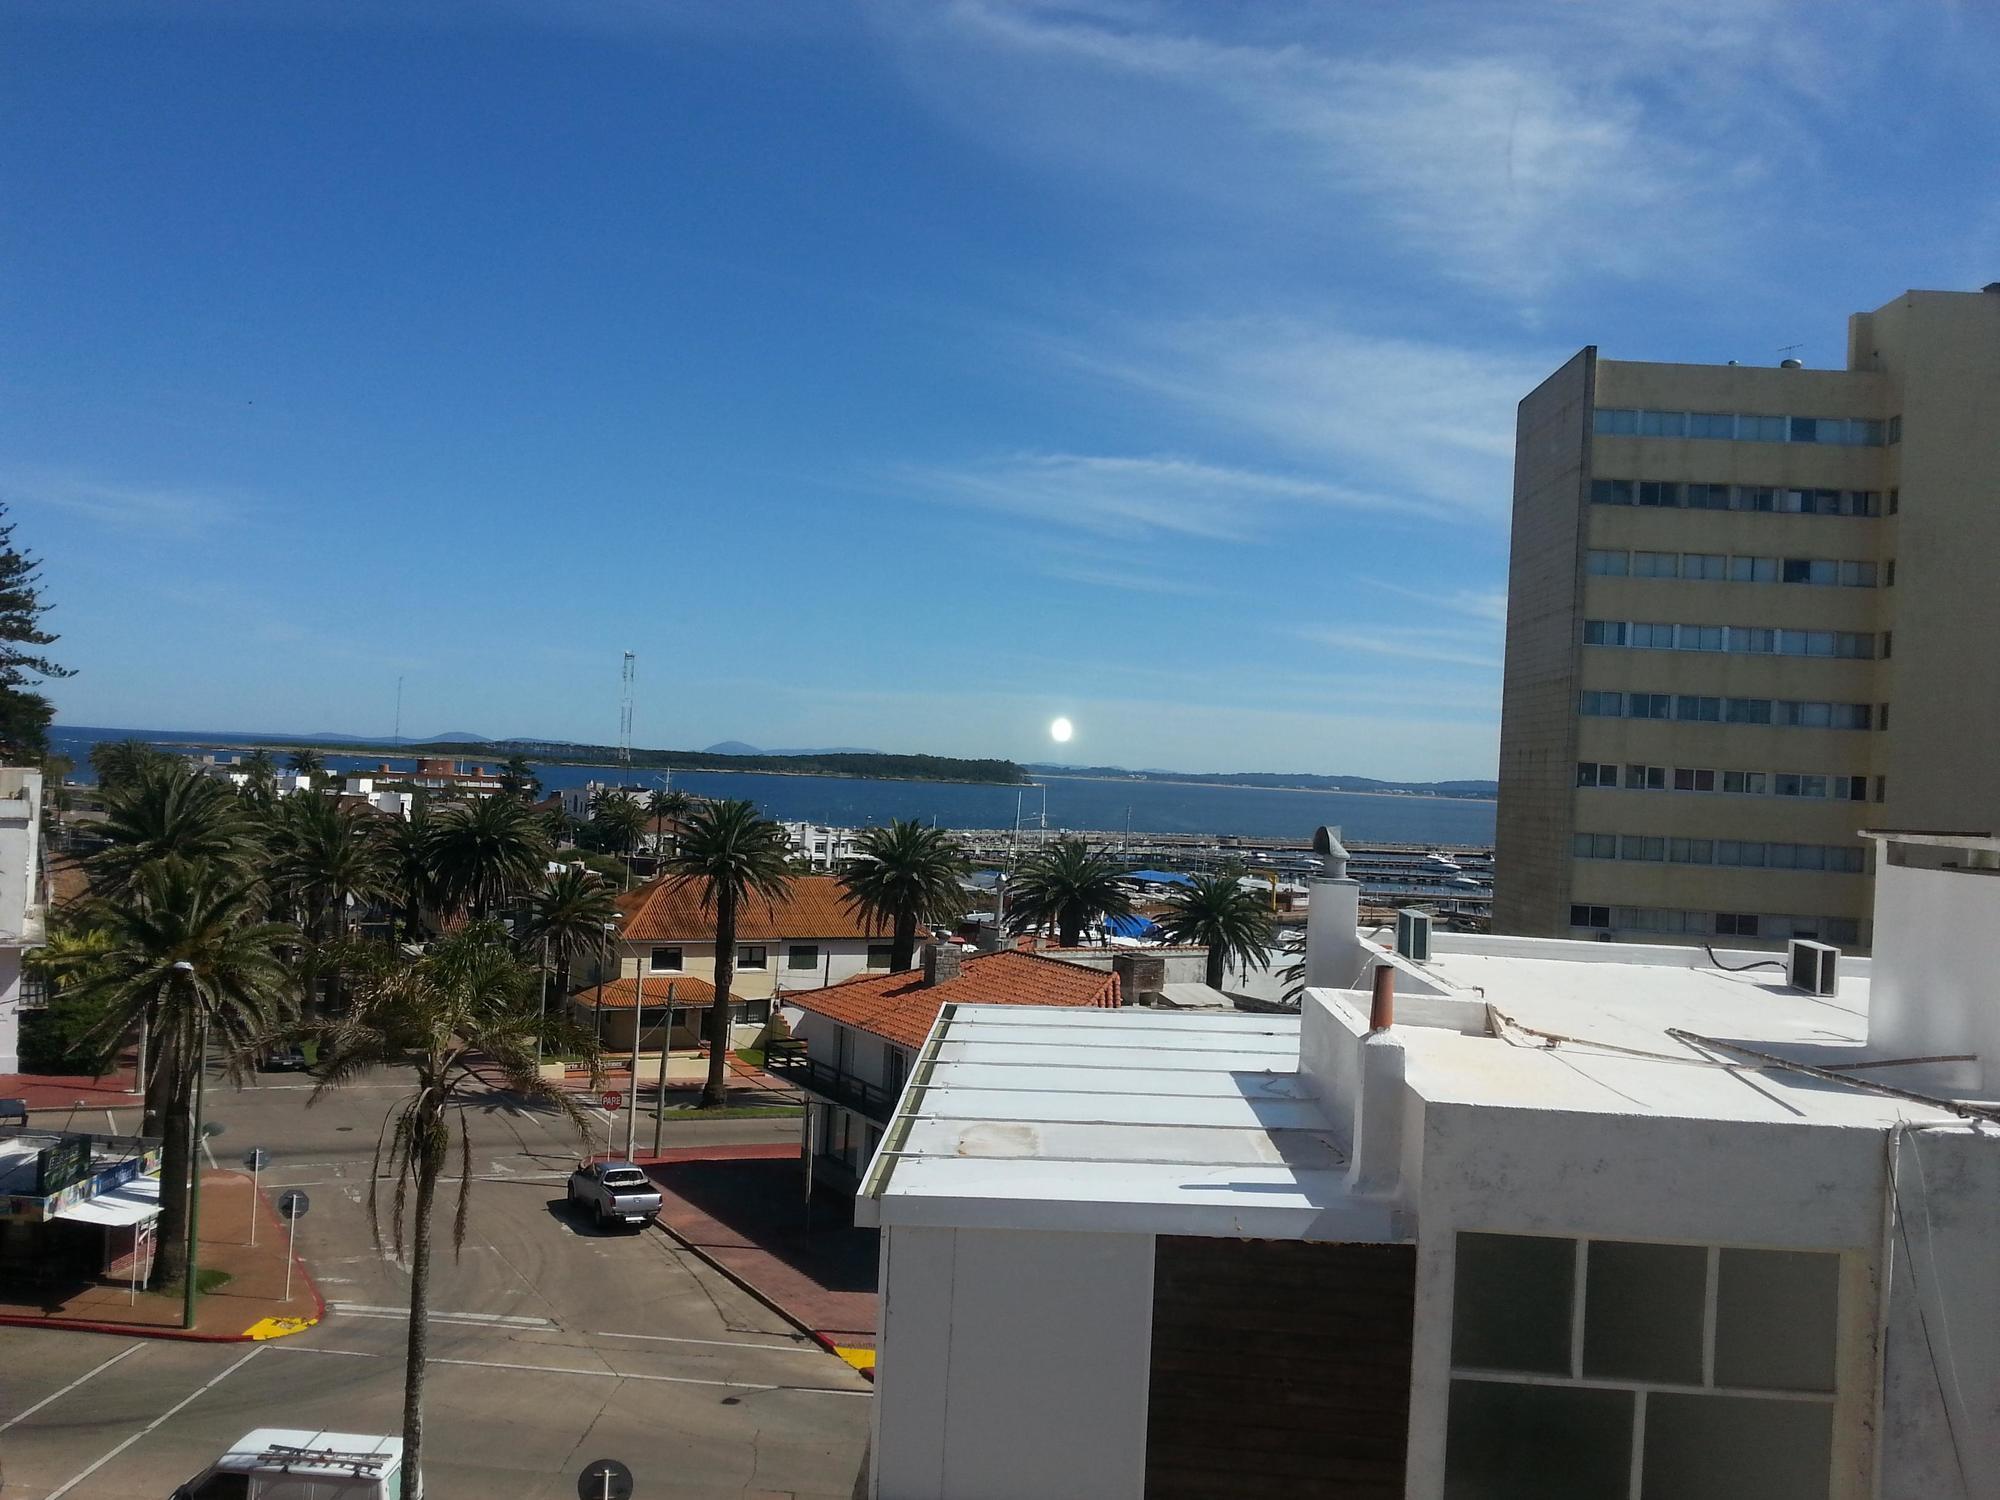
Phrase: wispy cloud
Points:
(1489, 605)
(1128, 496)
(1441, 647)
(1132, 580)
(115, 503)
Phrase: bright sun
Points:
(1061, 730)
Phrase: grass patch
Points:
(310, 1047)
(211, 1279)
(751, 1055)
(735, 1112)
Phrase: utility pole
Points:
(186, 970)
(660, 1099)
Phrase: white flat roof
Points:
(1148, 1121)
(129, 1203)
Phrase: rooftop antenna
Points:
(625, 710)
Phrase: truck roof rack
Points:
(291, 1453)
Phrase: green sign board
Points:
(66, 1162)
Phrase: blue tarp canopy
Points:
(1160, 877)
(1132, 927)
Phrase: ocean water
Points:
(1071, 801)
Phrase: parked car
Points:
(615, 1192)
(288, 1462)
(14, 1112)
(284, 1060)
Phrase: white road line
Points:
(799, 1347)
(111, 1122)
(69, 1484)
(209, 1152)
(23, 1416)
(494, 1364)
(367, 1310)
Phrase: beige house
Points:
(1750, 611)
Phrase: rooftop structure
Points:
(1738, 606)
(1491, 1216)
(23, 903)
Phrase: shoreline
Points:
(1232, 786)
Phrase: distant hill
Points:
(1299, 781)
(452, 737)
(732, 747)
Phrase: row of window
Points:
(1741, 783)
(1714, 567)
(1773, 499)
(1784, 713)
(1841, 858)
(1755, 640)
(803, 957)
(1743, 427)
(1741, 924)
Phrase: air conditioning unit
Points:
(1413, 934)
(1813, 967)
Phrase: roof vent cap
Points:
(1791, 364)
(1991, 286)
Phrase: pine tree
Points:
(24, 715)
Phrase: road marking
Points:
(494, 1364)
(69, 1484)
(798, 1347)
(109, 1120)
(22, 1417)
(209, 1152)
(365, 1310)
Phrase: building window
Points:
(880, 955)
(1711, 424)
(1736, 923)
(1593, 845)
(1698, 710)
(1567, 1353)
(1656, 565)
(1896, 428)
(1650, 705)
(664, 960)
(1888, 644)
(1753, 570)
(1604, 564)
(1596, 705)
(1603, 633)
(1710, 567)
(895, 1067)
(1659, 493)
(752, 956)
(1591, 773)
(1746, 710)
(1881, 719)
(1642, 847)
(1611, 491)
(1889, 573)
(1645, 778)
(802, 956)
(1590, 916)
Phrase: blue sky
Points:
(900, 375)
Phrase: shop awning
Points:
(133, 1202)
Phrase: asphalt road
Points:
(551, 1345)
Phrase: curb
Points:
(762, 1296)
(258, 1332)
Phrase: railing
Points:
(828, 1082)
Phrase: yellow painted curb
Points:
(277, 1328)
(861, 1359)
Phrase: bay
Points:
(1072, 802)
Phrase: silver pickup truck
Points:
(614, 1192)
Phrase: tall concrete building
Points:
(1750, 612)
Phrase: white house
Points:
(823, 847)
(22, 907)
(855, 1041)
(1489, 1217)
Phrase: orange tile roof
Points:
(660, 911)
(899, 1008)
(623, 994)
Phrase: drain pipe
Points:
(1382, 1003)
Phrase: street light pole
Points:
(542, 1024)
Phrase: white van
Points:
(293, 1463)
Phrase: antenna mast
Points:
(625, 710)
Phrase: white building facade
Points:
(22, 902)
(1562, 1219)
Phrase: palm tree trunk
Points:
(170, 1252)
(429, 1164)
(715, 1092)
(1069, 927)
(1215, 966)
(904, 954)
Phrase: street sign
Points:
(211, 1129)
(604, 1479)
(293, 1204)
(257, 1158)
(613, 1100)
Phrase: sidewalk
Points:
(686, 1075)
(742, 1209)
(251, 1305)
(51, 1094)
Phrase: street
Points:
(551, 1345)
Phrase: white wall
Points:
(1012, 1363)
(20, 896)
(1937, 948)
(866, 1059)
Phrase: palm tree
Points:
(667, 805)
(326, 856)
(186, 953)
(485, 853)
(462, 1021)
(619, 819)
(1223, 917)
(902, 875)
(728, 854)
(406, 846)
(306, 761)
(569, 914)
(518, 778)
(119, 761)
(1068, 884)
(167, 810)
(261, 778)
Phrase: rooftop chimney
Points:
(942, 962)
(1333, 948)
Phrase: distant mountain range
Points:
(738, 747)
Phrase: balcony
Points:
(824, 1081)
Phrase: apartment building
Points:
(1750, 611)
